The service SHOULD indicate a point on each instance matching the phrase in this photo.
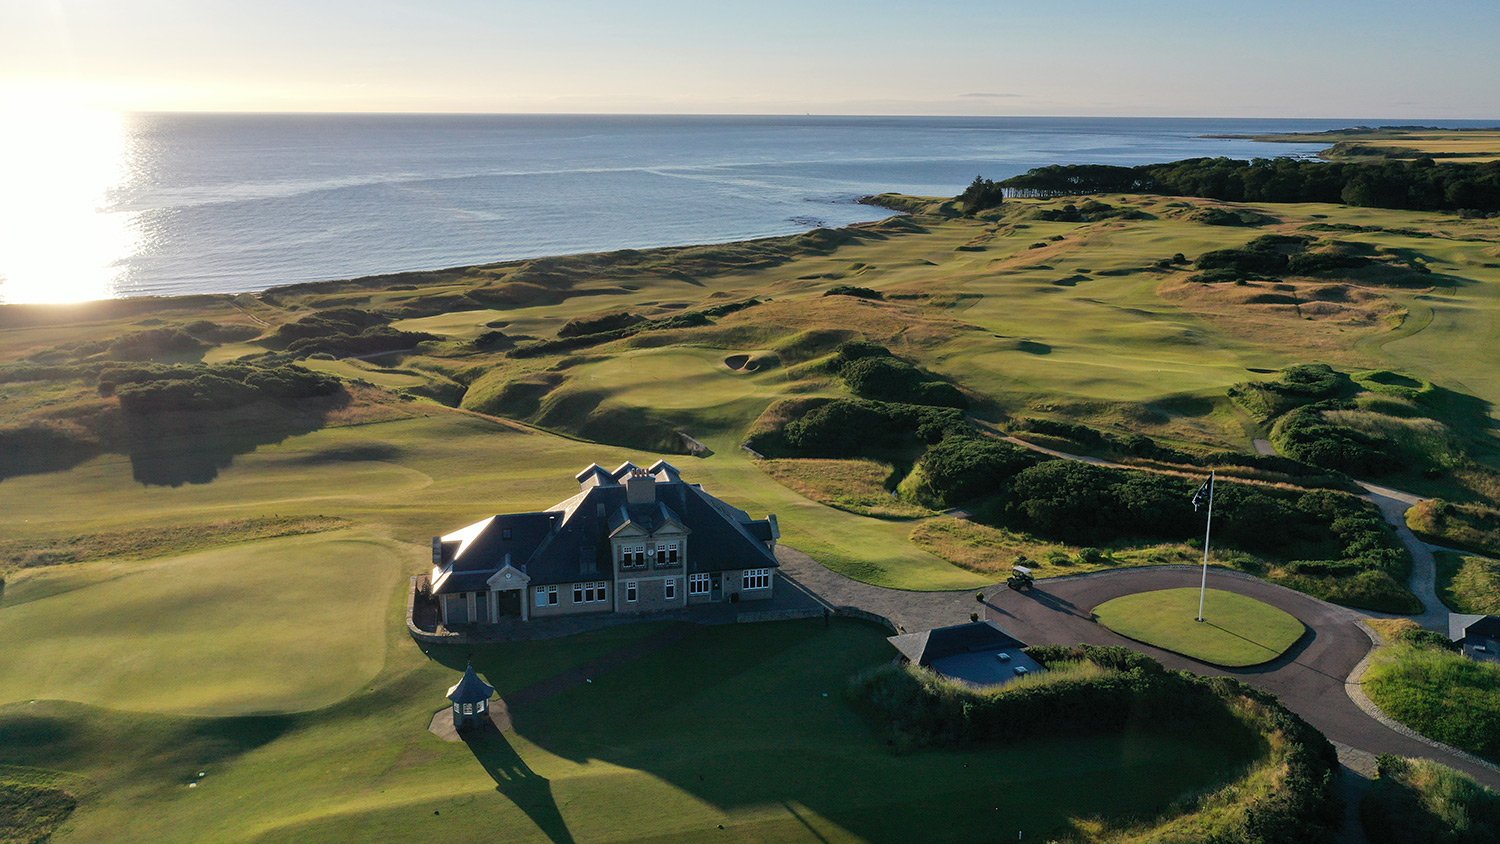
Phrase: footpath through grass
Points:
(1238, 630)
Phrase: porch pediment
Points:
(508, 577)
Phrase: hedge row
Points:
(917, 708)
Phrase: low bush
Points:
(155, 342)
(330, 323)
(872, 372)
(43, 447)
(851, 427)
(960, 468)
(1418, 801)
(580, 326)
(150, 389)
(1297, 386)
(1286, 797)
(856, 292)
(1306, 435)
(372, 341)
(1473, 527)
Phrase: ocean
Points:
(153, 204)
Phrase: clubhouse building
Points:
(630, 541)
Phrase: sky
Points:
(1211, 58)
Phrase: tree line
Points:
(1420, 185)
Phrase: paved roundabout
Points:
(1309, 678)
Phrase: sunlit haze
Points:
(1171, 58)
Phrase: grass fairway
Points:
(743, 726)
(227, 631)
(1239, 631)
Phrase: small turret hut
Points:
(471, 700)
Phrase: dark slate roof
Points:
(470, 689)
(1489, 627)
(925, 647)
(570, 542)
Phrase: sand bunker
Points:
(740, 363)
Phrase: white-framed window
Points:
(456, 710)
(468, 709)
(661, 555)
(590, 593)
(698, 584)
(481, 706)
(672, 552)
(669, 588)
(756, 579)
(640, 555)
(546, 596)
(631, 591)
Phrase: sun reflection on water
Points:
(60, 239)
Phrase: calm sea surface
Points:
(127, 205)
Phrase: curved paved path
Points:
(1309, 679)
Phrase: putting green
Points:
(1237, 631)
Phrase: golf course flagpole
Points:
(1207, 532)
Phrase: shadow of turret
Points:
(530, 792)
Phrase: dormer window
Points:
(505, 533)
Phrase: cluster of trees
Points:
(982, 194)
(1287, 254)
(1293, 801)
(1417, 185)
(1088, 211)
(153, 388)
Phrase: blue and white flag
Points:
(1202, 494)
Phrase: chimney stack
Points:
(437, 551)
(640, 487)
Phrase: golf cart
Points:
(1020, 578)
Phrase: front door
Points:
(718, 589)
(510, 603)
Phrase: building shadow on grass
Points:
(531, 792)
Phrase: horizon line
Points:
(417, 113)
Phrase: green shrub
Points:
(155, 342)
(1305, 435)
(1286, 797)
(849, 427)
(1474, 527)
(150, 389)
(329, 323)
(579, 326)
(856, 292)
(1418, 801)
(959, 468)
(982, 194)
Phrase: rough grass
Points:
(1470, 526)
(146, 542)
(33, 804)
(993, 551)
(857, 486)
(1468, 583)
(1238, 630)
(1440, 694)
(1418, 801)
